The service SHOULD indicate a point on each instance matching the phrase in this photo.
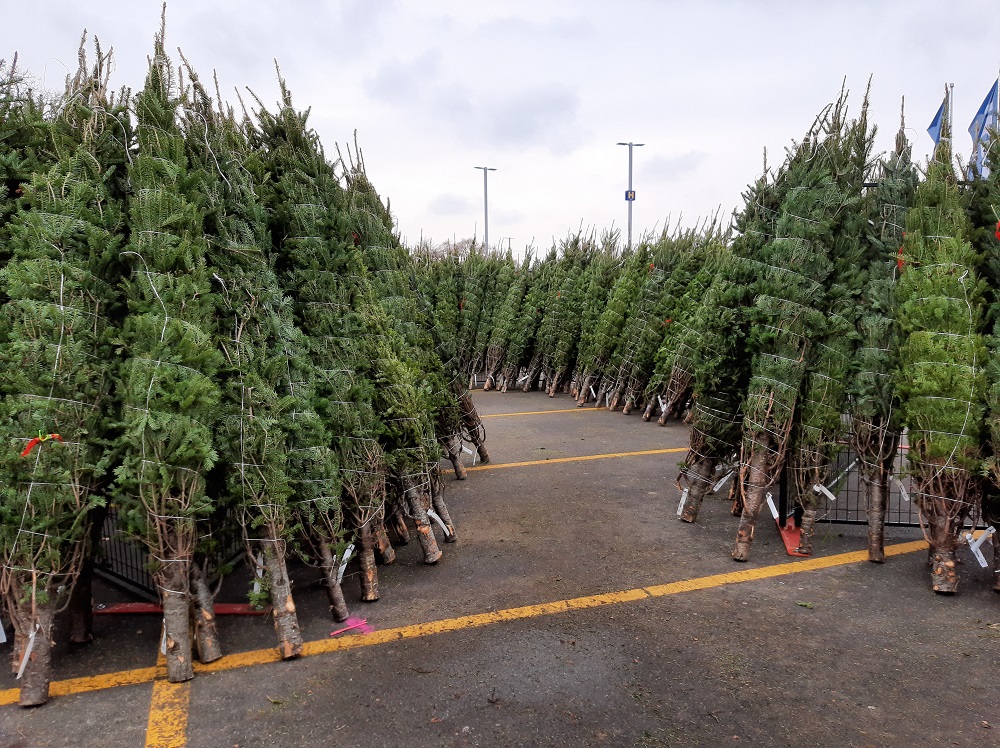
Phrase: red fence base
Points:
(140, 609)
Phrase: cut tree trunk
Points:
(530, 380)
(386, 554)
(616, 396)
(647, 414)
(553, 384)
(81, 606)
(583, 394)
(81, 602)
(453, 448)
(474, 426)
(20, 644)
(753, 499)
(418, 511)
(286, 620)
(509, 375)
(736, 496)
(38, 669)
(944, 569)
(441, 508)
(602, 392)
(206, 632)
(878, 492)
(808, 531)
(677, 395)
(173, 579)
(699, 479)
(398, 523)
(334, 593)
(366, 559)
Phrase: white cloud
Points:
(447, 204)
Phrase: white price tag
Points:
(343, 564)
(722, 481)
(772, 507)
(684, 498)
(27, 652)
(434, 516)
(821, 489)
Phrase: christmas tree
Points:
(168, 390)
(942, 375)
(55, 376)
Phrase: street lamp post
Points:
(486, 207)
(630, 193)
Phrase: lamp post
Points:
(630, 193)
(486, 207)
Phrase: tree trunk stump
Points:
(334, 593)
(699, 479)
(38, 669)
(808, 531)
(753, 500)
(386, 554)
(206, 632)
(369, 572)
(286, 620)
(418, 511)
(173, 581)
(944, 570)
(878, 491)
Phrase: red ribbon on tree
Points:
(997, 232)
(38, 440)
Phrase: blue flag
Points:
(986, 116)
(985, 119)
(935, 127)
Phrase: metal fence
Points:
(849, 508)
(124, 563)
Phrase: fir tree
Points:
(168, 389)
(596, 356)
(298, 198)
(256, 329)
(672, 368)
(25, 142)
(874, 408)
(601, 275)
(720, 350)
(941, 379)
(819, 428)
(521, 350)
(55, 380)
(503, 327)
(790, 313)
(559, 332)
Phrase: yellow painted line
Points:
(323, 646)
(72, 686)
(540, 412)
(168, 710)
(777, 570)
(553, 460)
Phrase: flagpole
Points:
(951, 116)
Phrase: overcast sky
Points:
(542, 91)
